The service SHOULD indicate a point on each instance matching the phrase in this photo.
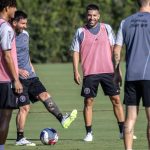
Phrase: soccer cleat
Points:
(24, 142)
(134, 137)
(68, 119)
(121, 136)
(88, 137)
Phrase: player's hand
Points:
(118, 77)
(24, 73)
(18, 87)
(77, 78)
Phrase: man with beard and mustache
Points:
(93, 44)
(33, 90)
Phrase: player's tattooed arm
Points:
(116, 56)
(116, 61)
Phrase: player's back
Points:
(136, 33)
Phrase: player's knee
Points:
(88, 102)
(44, 96)
(4, 120)
(115, 100)
(5, 115)
(128, 129)
(24, 109)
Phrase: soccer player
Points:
(34, 90)
(9, 77)
(93, 43)
(134, 32)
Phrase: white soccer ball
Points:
(49, 136)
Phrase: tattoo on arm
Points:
(116, 60)
(116, 56)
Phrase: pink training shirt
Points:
(96, 53)
(4, 72)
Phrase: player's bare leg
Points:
(21, 117)
(118, 112)
(50, 105)
(148, 125)
(131, 116)
(5, 116)
(87, 113)
(118, 108)
(20, 124)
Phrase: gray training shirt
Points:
(134, 32)
(22, 44)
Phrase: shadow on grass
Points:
(12, 139)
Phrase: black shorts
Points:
(91, 83)
(135, 90)
(31, 89)
(8, 99)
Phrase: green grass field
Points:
(58, 79)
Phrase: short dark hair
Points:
(20, 15)
(92, 7)
(142, 2)
(7, 3)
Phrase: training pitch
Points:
(58, 79)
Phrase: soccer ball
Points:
(49, 136)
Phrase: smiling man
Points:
(34, 90)
(93, 43)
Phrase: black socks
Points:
(20, 135)
(88, 129)
(121, 126)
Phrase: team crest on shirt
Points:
(22, 98)
(86, 90)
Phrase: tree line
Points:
(52, 24)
